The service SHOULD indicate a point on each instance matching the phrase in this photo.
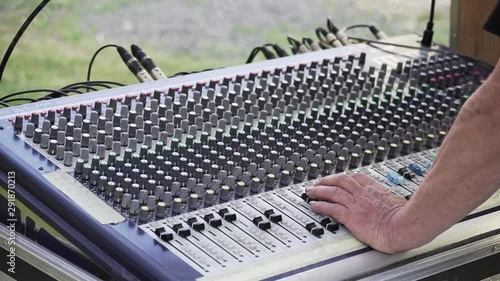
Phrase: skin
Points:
(466, 173)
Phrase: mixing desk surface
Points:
(203, 176)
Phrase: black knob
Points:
(212, 220)
(163, 234)
(314, 229)
(329, 224)
(261, 223)
(227, 215)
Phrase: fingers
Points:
(368, 182)
(363, 179)
(343, 181)
(337, 212)
(331, 194)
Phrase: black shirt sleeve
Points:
(493, 23)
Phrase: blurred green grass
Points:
(55, 52)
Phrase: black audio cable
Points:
(76, 91)
(104, 84)
(75, 88)
(324, 46)
(16, 94)
(264, 50)
(86, 85)
(89, 70)
(395, 44)
(133, 65)
(19, 34)
(299, 47)
(428, 32)
(253, 54)
(388, 52)
(486, 65)
(147, 63)
(310, 44)
(182, 73)
(89, 86)
(279, 51)
(314, 46)
(327, 38)
(379, 34)
(340, 35)
(21, 99)
(267, 53)
(52, 94)
(65, 91)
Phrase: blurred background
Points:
(180, 35)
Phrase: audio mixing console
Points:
(203, 176)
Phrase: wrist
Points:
(396, 239)
(406, 231)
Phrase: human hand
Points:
(364, 206)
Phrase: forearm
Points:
(465, 173)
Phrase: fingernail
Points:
(310, 187)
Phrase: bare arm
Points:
(466, 173)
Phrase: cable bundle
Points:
(75, 88)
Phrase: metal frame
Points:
(454, 24)
(443, 261)
(42, 259)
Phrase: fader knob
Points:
(193, 201)
(313, 171)
(255, 185)
(299, 174)
(261, 223)
(110, 188)
(160, 210)
(285, 178)
(270, 181)
(134, 207)
(18, 123)
(224, 193)
(68, 158)
(37, 137)
(240, 189)
(314, 229)
(272, 216)
(127, 198)
(329, 224)
(163, 234)
(195, 224)
(30, 129)
(118, 195)
(227, 215)
(144, 214)
(177, 206)
(212, 220)
(209, 198)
